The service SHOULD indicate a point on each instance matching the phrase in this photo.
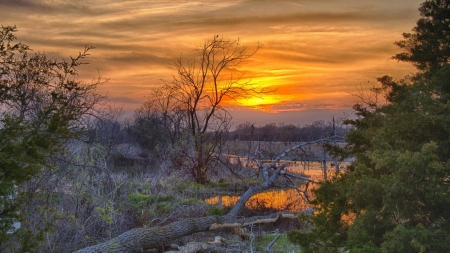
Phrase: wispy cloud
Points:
(314, 52)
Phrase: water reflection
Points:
(289, 200)
(282, 199)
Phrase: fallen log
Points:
(140, 239)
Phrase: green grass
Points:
(190, 185)
(191, 201)
(215, 210)
(139, 200)
(223, 184)
(282, 245)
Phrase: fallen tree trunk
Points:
(140, 239)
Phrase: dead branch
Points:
(255, 220)
(139, 239)
(289, 175)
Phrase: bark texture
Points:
(139, 239)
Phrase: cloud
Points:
(295, 106)
(138, 58)
(29, 5)
(313, 51)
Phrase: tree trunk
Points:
(140, 239)
(324, 165)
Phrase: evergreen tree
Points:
(395, 196)
(428, 47)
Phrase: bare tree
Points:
(197, 92)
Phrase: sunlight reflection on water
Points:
(279, 199)
(288, 200)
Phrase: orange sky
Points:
(315, 52)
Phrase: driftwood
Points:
(140, 239)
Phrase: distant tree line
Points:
(279, 132)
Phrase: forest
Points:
(76, 176)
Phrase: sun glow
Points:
(263, 102)
(312, 64)
(259, 100)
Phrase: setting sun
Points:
(268, 125)
(311, 56)
(257, 101)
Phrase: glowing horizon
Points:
(314, 53)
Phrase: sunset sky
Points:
(314, 52)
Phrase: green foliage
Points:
(164, 207)
(395, 196)
(192, 201)
(106, 212)
(215, 210)
(416, 239)
(224, 184)
(41, 107)
(139, 200)
(428, 47)
(282, 245)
